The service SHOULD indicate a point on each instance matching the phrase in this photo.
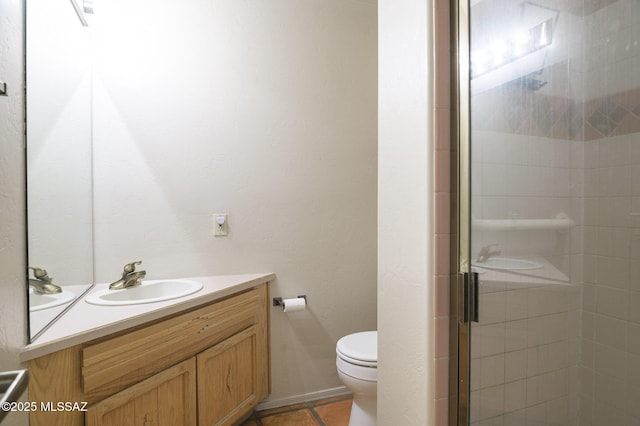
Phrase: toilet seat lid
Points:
(359, 348)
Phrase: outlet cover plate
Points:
(220, 229)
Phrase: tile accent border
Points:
(525, 112)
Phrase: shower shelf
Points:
(559, 223)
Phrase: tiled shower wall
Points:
(610, 351)
(572, 149)
(542, 154)
(525, 349)
(610, 362)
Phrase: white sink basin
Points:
(38, 301)
(147, 292)
(508, 264)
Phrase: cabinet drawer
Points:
(114, 364)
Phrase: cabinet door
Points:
(168, 398)
(228, 379)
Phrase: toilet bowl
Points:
(357, 363)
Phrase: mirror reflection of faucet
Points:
(43, 283)
(130, 277)
(486, 253)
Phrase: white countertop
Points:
(85, 322)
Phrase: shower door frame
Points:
(463, 284)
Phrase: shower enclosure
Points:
(548, 294)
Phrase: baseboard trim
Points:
(297, 399)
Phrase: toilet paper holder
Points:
(277, 301)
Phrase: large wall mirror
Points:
(59, 159)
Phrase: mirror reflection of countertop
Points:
(548, 274)
(42, 315)
(84, 322)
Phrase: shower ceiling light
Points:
(501, 36)
(521, 41)
(520, 44)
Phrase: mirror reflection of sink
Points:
(508, 264)
(147, 292)
(38, 301)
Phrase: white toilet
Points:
(357, 362)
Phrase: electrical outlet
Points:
(220, 224)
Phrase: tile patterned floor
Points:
(324, 412)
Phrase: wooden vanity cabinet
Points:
(207, 366)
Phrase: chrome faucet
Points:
(130, 277)
(43, 283)
(486, 253)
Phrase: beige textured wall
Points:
(13, 323)
(262, 110)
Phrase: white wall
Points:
(264, 111)
(405, 231)
(13, 317)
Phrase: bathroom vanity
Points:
(199, 361)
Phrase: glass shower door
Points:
(554, 212)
